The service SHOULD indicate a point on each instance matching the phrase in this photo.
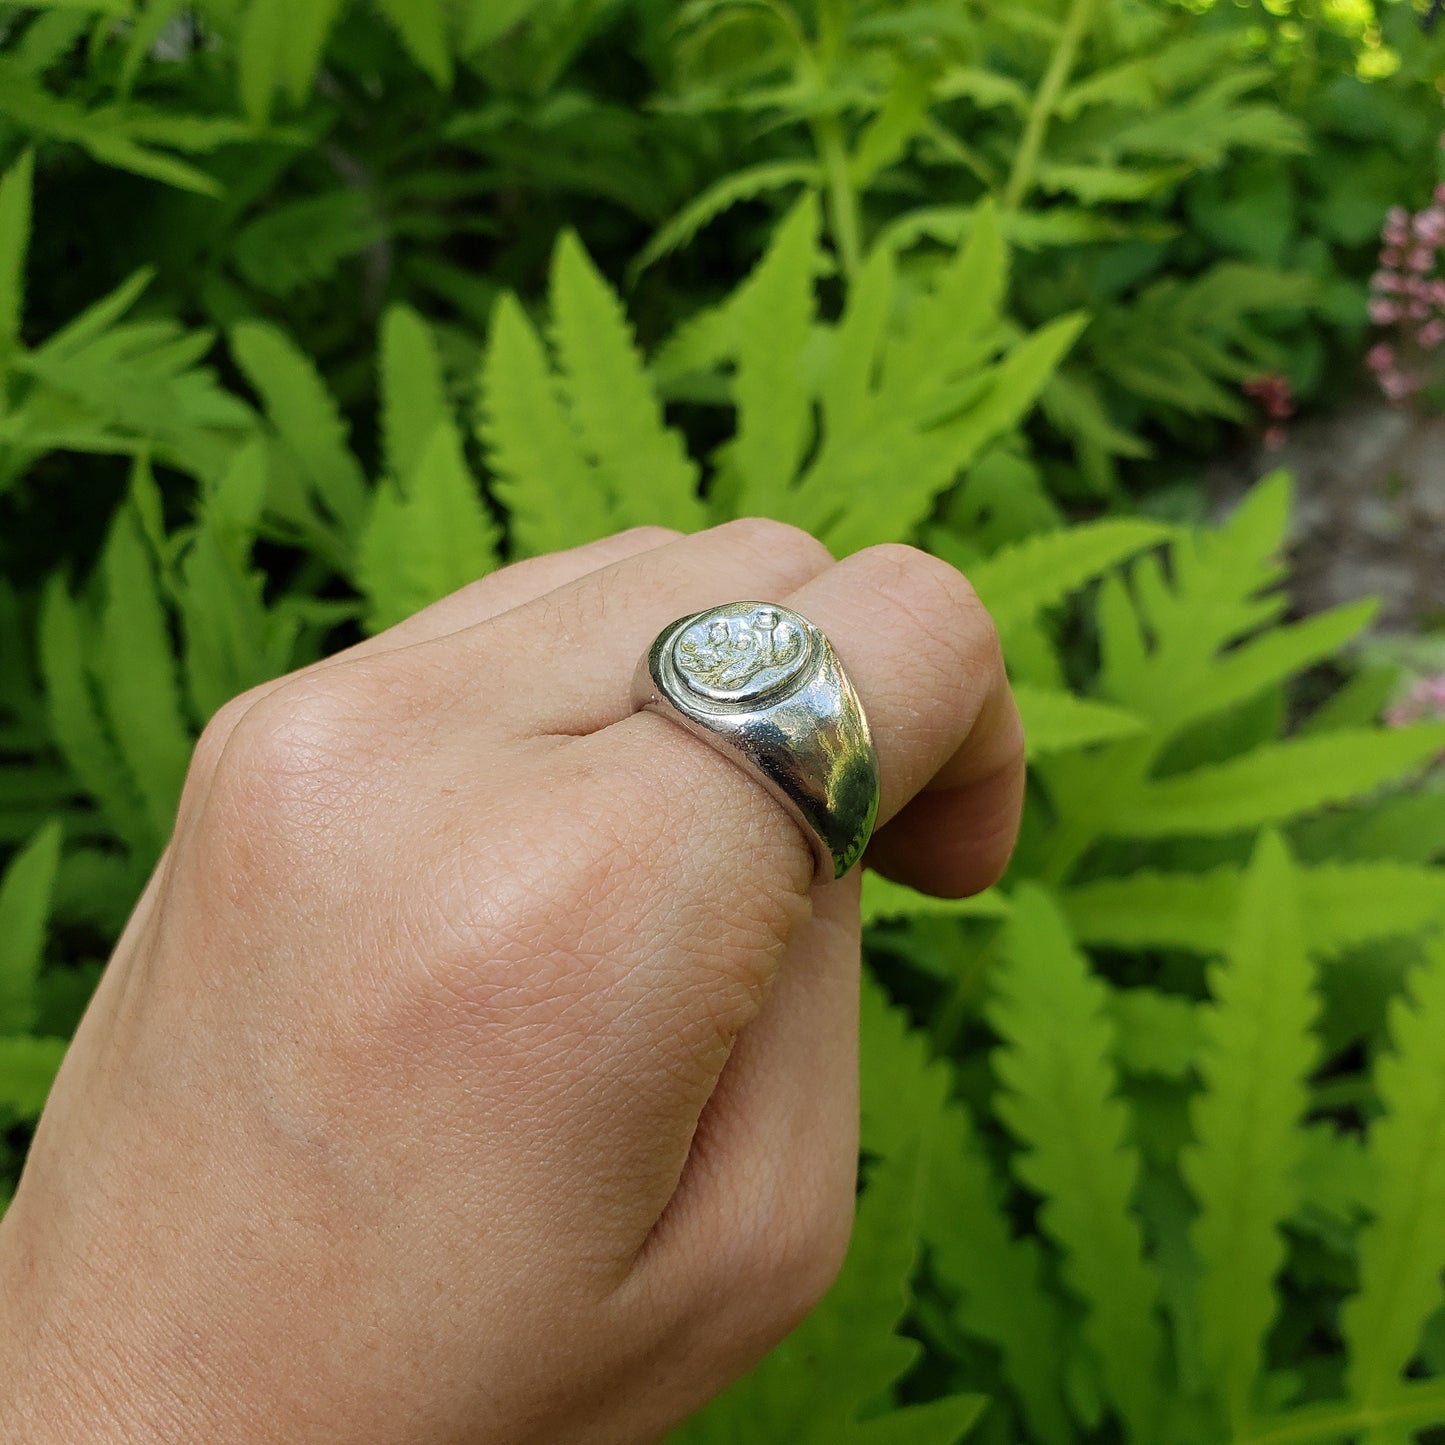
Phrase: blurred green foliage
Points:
(311, 312)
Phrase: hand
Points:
(480, 1062)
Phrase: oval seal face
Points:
(733, 655)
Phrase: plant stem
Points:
(1056, 77)
(842, 198)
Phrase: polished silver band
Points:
(761, 684)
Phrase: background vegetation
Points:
(311, 311)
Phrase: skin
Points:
(480, 1063)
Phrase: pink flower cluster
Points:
(1272, 391)
(1425, 702)
(1406, 294)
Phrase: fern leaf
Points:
(259, 55)
(136, 672)
(306, 418)
(615, 409)
(1402, 1252)
(231, 644)
(553, 494)
(1061, 1103)
(1041, 571)
(429, 539)
(858, 343)
(774, 408)
(939, 1422)
(884, 899)
(421, 26)
(25, 891)
(413, 390)
(1257, 1057)
(15, 190)
(76, 723)
(1344, 905)
(28, 1067)
(996, 1280)
(1274, 784)
(812, 1387)
(1155, 1033)
(1057, 722)
(746, 184)
(305, 241)
(1060, 1100)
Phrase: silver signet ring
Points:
(762, 685)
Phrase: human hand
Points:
(480, 1062)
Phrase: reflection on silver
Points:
(761, 684)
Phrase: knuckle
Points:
(937, 598)
(779, 542)
(299, 752)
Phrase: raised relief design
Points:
(730, 656)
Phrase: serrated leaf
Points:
(1257, 1057)
(1056, 721)
(1041, 571)
(1274, 783)
(1155, 1033)
(1402, 1251)
(28, 1067)
(774, 408)
(421, 25)
(25, 891)
(553, 494)
(995, 1279)
(413, 390)
(427, 538)
(136, 673)
(650, 478)
(76, 723)
(1345, 905)
(746, 184)
(1060, 1100)
(15, 190)
(304, 242)
(812, 1388)
(305, 417)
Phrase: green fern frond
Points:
(76, 723)
(1255, 1065)
(135, 670)
(421, 26)
(996, 1280)
(553, 494)
(429, 535)
(614, 407)
(1060, 1100)
(1057, 721)
(25, 892)
(1040, 572)
(15, 188)
(845, 1356)
(1344, 905)
(28, 1067)
(306, 419)
(414, 399)
(1402, 1252)
(746, 184)
(774, 317)
(1274, 783)
(1155, 1034)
